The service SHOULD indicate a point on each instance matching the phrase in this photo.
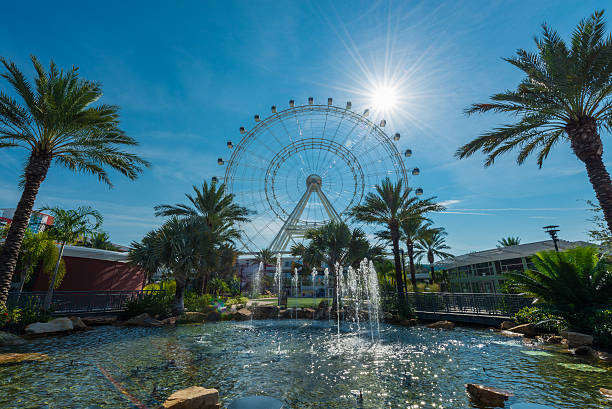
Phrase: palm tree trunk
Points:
(410, 246)
(35, 173)
(49, 296)
(398, 263)
(586, 144)
(24, 273)
(178, 305)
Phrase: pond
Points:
(303, 363)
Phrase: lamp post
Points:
(552, 230)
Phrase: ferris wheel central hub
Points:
(313, 179)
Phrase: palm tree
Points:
(508, 241)
(572, 284)
(68, 227)
(390, 206)
(266, 257)
(414, 229)
(432, 246)
(99, 240)
(57, 122)
(564, 97)
(147, 255)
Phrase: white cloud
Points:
(447, 203)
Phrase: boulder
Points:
(409, 323)
(576, 339)
(8, 339)
(14, 358)
(169, 321)
(486, 395)
(265, 311)
(553, 339)
(322, 313)
(142, 320)
(606, 393)
(195, 397)
(105, 320)
(243, 314)
(526, 329)
(77, 323)
(441, 325)
(54, 326)
(191, 317)
(581, 350)
(286, 314)
(213, 315)
(511, 334)
(507, 325)
(306, 313)
(604, 356)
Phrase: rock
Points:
(553, 339)
(576, 339)
(286, 314)
(233, 308)
(265, 311)
(511, 334)
(322, 313)
(507, 325)
(486, 395)
(191, 317)
(607, 393)
(195, 397)
(525, 329)
(323, 305)
(441, 325)
(8, 339)
(13, 358)
(142, 320)
(409, 323)
(106, 320)
(243, 314)
(169, 321)
(214, 315)
(581, 350)
(77, 323)
(54, 326)
(604, 356)
(306, 313)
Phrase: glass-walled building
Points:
(483, 271)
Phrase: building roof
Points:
(86, 252)
(504, 253)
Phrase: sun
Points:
(384, 98)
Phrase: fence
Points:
(76, 302)
(503, 305)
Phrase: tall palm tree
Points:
(390, 206)
(564, 97)
(414, 229)
(147, 255)
(68, 227)
(508, 241)
(57, 122)
(431, 246)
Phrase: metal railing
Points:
(502, 305)
(76, 302)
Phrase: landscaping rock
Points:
(14, 358)
(286, 314)
(604, 356)
(306, 313)
(511, 334)
(607, 393)
(265, 311)
(191, 317)
(441, 325)
(214, 315)
(169, 321)
(142, 320)
(322, 313)
(243, 314)
(576, 339)
(106, 320)
(525, 329)
(54, 326)
(195, 397)
(507, 325)
(581, 350)
(8, 339)
(409, 323)
(77, 323)
(486, 395)
(552, 339)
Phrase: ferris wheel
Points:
(304, 166)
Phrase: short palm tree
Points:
(508, 241)
(99, 240)
(432, 246)
(266, 257)
(564, 97)
(57, 123)
(572, 284)
(414, 229)
(390, 206)
(68, 227)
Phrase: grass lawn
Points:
(305, 302)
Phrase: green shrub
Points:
(198, 303)
(17, 319)
(152, 303)
(168, 287)
(541, 320)
(236, 300)
(601, 328)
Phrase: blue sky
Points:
(188, 74)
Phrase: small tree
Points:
(508, 241)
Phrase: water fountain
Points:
(294, 286)
(256, 290)
(278, 277)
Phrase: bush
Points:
(168, 287)
(601, 328)
(198, 303)
(541, 320)
(16, 319)
(159, 304)
(236, 300)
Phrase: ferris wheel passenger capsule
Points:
(273, 109)
(310, 100)
(348, 105)
(291, 103)
(383, 123)
(418, 191)
(230, 144)
(366, 112)
(329, 101)
(242, 130)
(257, 119)
(416, 171)
(396, 137)
(220, 161)
(408, 153)
(214, 179)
